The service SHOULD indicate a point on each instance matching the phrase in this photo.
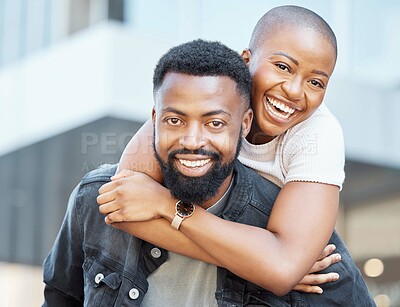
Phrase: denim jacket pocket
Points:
(107, 285)
(102, 283)
(265, 298)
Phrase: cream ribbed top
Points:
(313, 151)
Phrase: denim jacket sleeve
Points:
(62, 269)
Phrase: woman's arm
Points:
(139, 154)
(301, 223)
(134, 196)
(281, 254)
(159, 232)
(299, 229)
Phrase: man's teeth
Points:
(196, 163)
(282, 107)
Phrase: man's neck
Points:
(221, 191)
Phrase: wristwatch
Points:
(182, 211)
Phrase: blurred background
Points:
(75, 85)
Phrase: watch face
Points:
(184, 209)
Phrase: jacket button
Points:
(99, 277)
(134, 293)
(155, 252)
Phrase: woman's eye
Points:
(317, 83)
(283, 67)
(174, 121)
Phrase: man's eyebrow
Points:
(216, 112)
(173, 110)
(211, 113)
(315, 71)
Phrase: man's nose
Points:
(193, 138)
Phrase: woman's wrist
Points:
(167, 207)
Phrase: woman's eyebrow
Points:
(287, 56)
(320, 72)
(315, 71)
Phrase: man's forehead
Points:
(175, 86)
(182, 78)
(206, 111)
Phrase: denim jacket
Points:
(93, 264)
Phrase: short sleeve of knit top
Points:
(311, 151)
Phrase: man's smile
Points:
(193, 165)
(196, 163)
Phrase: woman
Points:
(290, 143)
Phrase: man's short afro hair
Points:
(204, 58)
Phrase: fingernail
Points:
(338, 257)
(335, 276)
(320, 291)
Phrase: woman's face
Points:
(290, 72)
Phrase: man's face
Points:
(198, 122)
(290, 72)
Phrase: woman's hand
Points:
(310, 283)
(133, 197)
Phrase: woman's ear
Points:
(153, 115)
(246, 55)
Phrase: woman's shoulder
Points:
(322, 117)
(321, 123)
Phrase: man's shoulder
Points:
(100, 174)
(83, 200)
(250, 177)
(252, 197)
(88, 188)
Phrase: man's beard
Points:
(196, 190)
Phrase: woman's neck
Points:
(257, 137)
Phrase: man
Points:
(94, 264)
(201, 113)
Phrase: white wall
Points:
(107, 69)
(104, 70)
(21, 285)
(369, 117)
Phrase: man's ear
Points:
(246, 123)
(246, 55)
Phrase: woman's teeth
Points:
(197, 163)
(287, 111)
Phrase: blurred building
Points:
(75, 85)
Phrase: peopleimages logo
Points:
(143, 167)
(298, 144)
(110, 143)
(106, 148)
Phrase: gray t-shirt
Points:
(183, 281)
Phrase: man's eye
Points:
(173, 121)
(215, 124)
